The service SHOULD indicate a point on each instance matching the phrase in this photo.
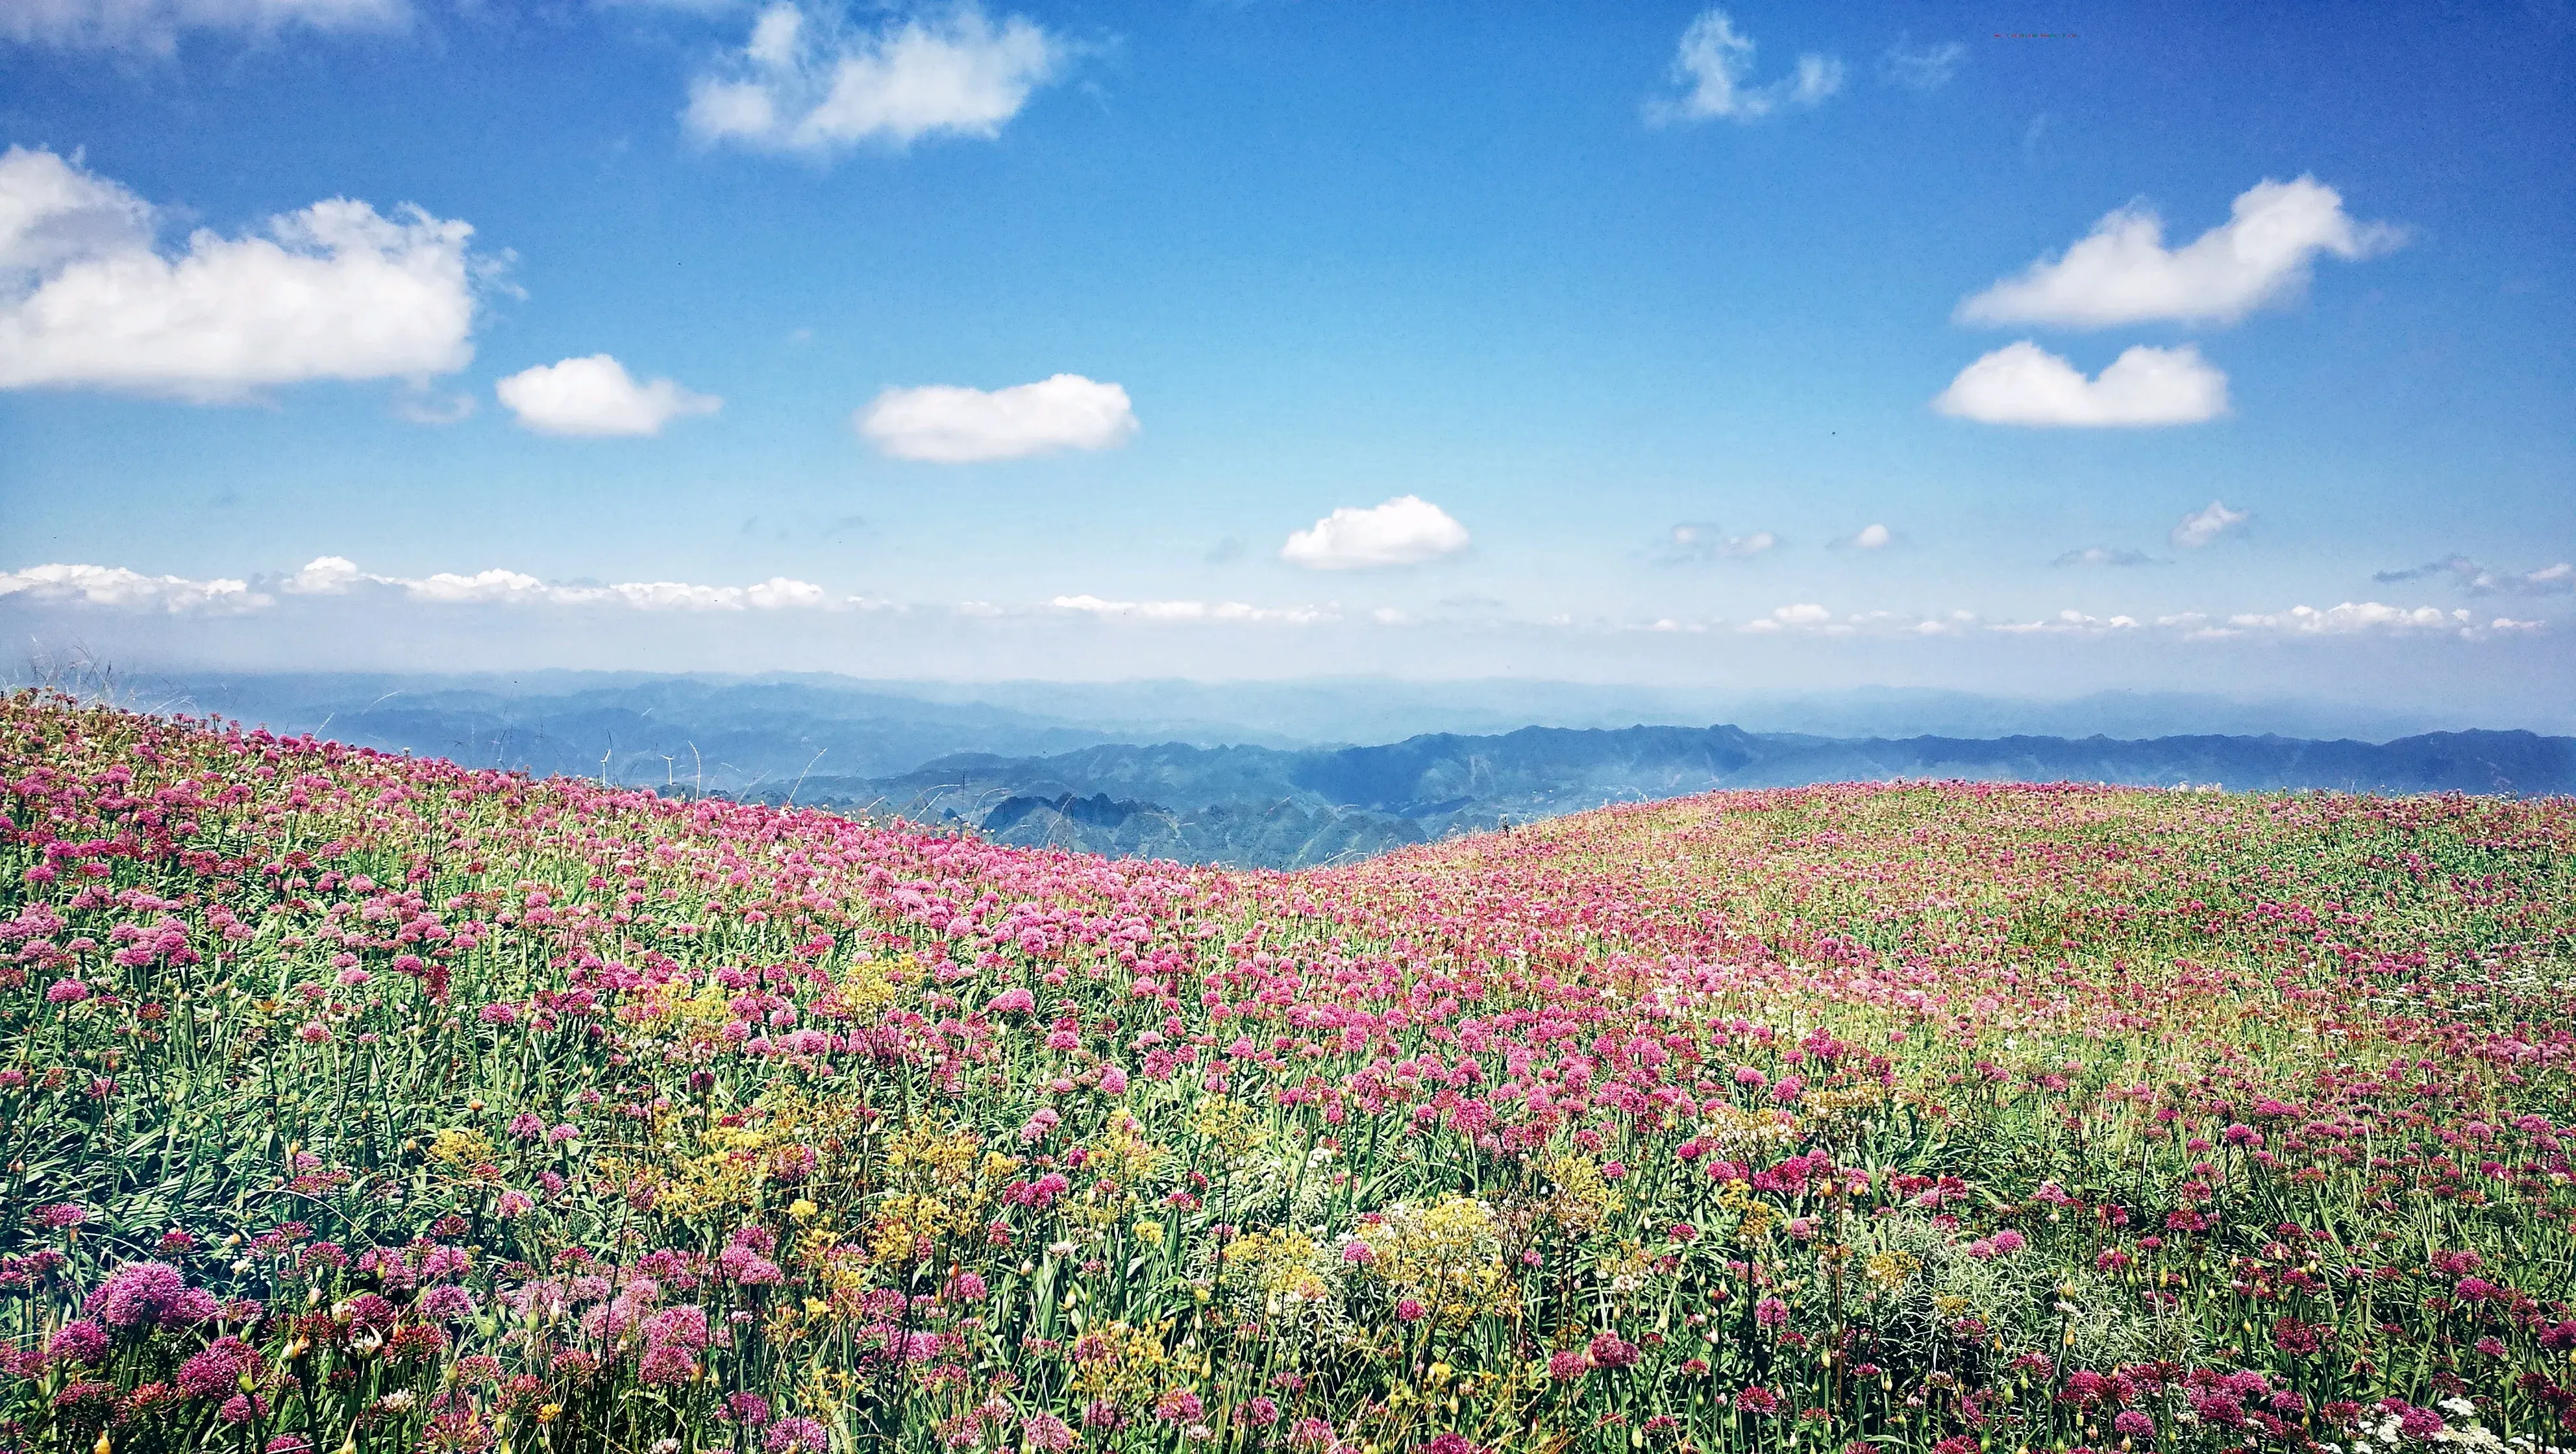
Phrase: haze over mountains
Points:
(1267, 774)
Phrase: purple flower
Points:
(148, 1292)
(1046, 1431)
(80, 1341)
(66, 992)
(797, 1436)
(218, 1369)
(667, 1363)
(1609, 1350)
(447, 1303)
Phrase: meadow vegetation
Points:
(364, 1103)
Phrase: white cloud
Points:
(1869, 537)
(1186, 610)
(950, 425)
(1697, 542)
(2105, 555)
(2350, 618)
(155, 25)
(2122, 273)
(596, 396)
(2201, 527)
(1711, 66)
(2067, 623)
(1406, 530)
(333, 575)
(115, 586)
(804, 83)
(2022, 383)
(1928, 69)
(335, 291)
(1805, 616)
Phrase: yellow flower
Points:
(801, 1209)
(1150, 1233)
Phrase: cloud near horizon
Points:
(596, 397)
(2121, 272)
(1712, 65)
(1406, 530)
(805, 83)
(2022, 383)
(334, 291)
(947, 424)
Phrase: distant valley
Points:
(1269, 807)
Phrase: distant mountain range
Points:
(1285, 808)
(1261, 773)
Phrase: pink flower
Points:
(66, 992)
(1609, 1350)
(1012, 1001)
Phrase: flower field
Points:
(363, 1103)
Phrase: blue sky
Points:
(1653, 311)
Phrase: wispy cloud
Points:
(1189, 610)
(2202, 527)
(2022, 383)
(2477, 580)
(2105, 555)
(1712, 67)
(1927, 69)
(2122, 272)
(154, 26)
(1698, 542)
(805, 82)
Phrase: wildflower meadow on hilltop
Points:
(356, 1102)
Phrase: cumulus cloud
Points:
(334, 291)
(154, 26)
(2201, 527)
(1712, 66)
(333, 575)
(115, 586)
(950, 425)
(1697, 542)
(2477, 580)
(806, 83)
(596, 396)
(1406, 530)
(1869, 537)
(2123, 273)
(1186, 610)
(1928, 69)
(2022, 383)
(2105, 555)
